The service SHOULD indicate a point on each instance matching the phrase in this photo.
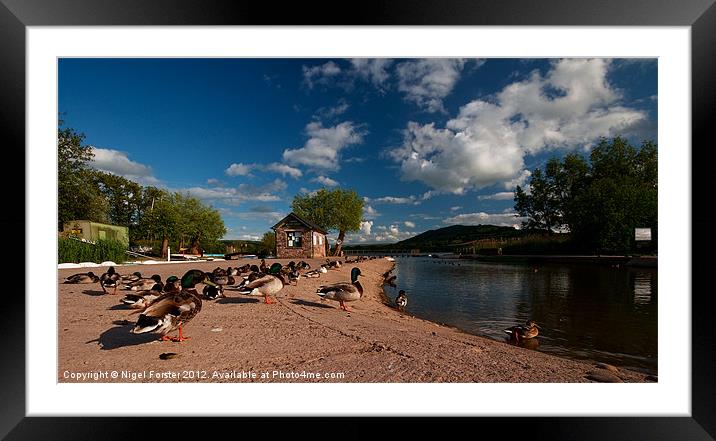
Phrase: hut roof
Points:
(310, 225)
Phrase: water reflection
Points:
(599, 313)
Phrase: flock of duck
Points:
(164, 307)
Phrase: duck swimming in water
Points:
(521, 332)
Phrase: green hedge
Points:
(75, 251)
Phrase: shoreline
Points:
(372, 343)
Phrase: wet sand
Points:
(298, 339)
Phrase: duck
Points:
(144, 283)
(390, 280)
(172, 311)
(88, 277)
(129, 278)
(111, 278)
(213, 292)
(263, 268)
(335, 264)
(142, 299)
(343, 291)
(402, 300)
(264, 285)
(303, 265)
(526, 331)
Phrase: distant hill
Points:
(443, 238)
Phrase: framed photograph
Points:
(454, 213)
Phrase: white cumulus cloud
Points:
(322, 149)
(321, 74)
(284, 169)
(427, 81)
(373, 70)
(239, 169)
(500, 219)
(485, 144)
(500, 196)
(409, 224)
(328, 182)
(118, 163)
(366, 226)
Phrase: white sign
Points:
(642, 233)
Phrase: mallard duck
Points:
(213, 292)
(264, 285)
(173, 310)
(303, 265)
(391, 280)
(520, 332)
(111, 278)
(129, 278)
(343, 291)
(142, 299)
(232, 271)
(402, 300)
(263, 268)
(335, 264)
(89, 277)
(144, 284)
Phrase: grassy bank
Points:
(75, 251)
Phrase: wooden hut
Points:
(297, 238)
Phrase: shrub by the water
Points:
(75, 251)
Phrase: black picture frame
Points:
(16, 15)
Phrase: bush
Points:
(75, 251)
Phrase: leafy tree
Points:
(122, 195)
(77, 198)
(268, 243)
(198, 223)
(336, 209)
(600, 202)
(159, 217)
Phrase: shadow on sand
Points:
(90, 292)
(311, 304)
(230, 300)
(121, 336)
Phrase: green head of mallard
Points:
(355, 272)
(172, 279)
(192, 277)
(275, 269)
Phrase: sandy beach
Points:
(298, 339)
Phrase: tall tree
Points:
(268, 243)
(77, 197)
(159, 218)
(600, 202)
(337, 209)
(198, 223)
(122, 195)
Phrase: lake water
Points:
(588, 312)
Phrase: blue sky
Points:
(426, 142)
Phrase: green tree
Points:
(337, 209)
(600, 202)
(122, 195)
(268, 243)
(198, 223)
(77, 197)
(159, 217)
(620, 195)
